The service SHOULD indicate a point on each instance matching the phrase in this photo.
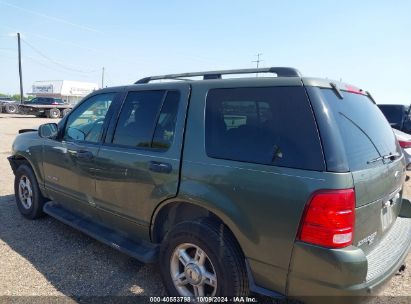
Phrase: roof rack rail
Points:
(279, 71)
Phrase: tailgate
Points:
(378, 195)
(374, 158)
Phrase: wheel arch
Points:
(172, 212)
(17, 160)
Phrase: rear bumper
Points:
(317, 273)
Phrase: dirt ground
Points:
(48, 258)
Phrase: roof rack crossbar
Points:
(279, 71)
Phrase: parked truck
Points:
(8, 105)
(45, 107)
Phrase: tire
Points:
(65, 112)
(32, 209)
(53, 113)
(223, 270)
(11, 108)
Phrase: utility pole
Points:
(257, 62)
(102, 78)
(20, 72)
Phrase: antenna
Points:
(102, 78)
(258, 62)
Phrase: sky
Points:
(365, 43)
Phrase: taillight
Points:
(354, 90)
(404, 144)
(329, 219)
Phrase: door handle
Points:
(160, 167)
(83, 154)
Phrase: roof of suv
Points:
(284, 76)
(207, 75)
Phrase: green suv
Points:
(283, 186)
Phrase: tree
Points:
(16, 97)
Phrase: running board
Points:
(143, 251)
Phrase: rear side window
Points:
(364, 130)
(270, 125)
(147, 119)
(165, 128)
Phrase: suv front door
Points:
(138, 166)
(69, 161)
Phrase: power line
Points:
(60, 20)
(47, 66)
(64, 42)
(54, 61)
(72, 44)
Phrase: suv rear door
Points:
(138, 166)
(366, 137)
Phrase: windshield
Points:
(364, 130)
(393, 113)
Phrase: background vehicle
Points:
(5, 100)
(277, 185)
(8, 105)
(45, 106)
(398, 116)
(404, 140)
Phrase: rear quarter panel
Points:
(262, 205)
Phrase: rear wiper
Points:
(391, 156)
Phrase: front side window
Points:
(270, 125)
(85, 123)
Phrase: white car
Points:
(404, 140)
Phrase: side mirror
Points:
(48, 130)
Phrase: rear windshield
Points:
(270, 125)
(364, 130)
(394, 114)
